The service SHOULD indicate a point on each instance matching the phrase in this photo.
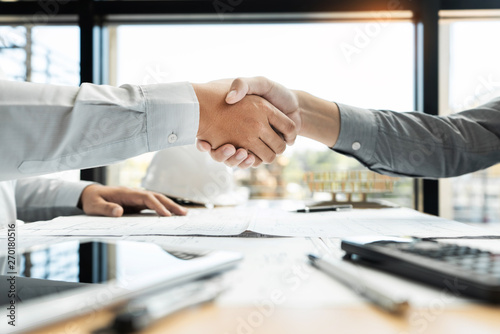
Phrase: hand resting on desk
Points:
(102, 200)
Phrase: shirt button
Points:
(172, 138)
(356, 146)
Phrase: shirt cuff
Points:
(173, 114)
(69, 193)
(358, 129)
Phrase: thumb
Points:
(203, 146)
(239, 89)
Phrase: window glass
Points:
(365, 64)
(43, 54)
(474, 79)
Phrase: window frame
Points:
(93, 15)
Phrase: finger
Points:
(239, 88)
(222, 153)
(238, 158)
(244, 86)
(283, 124)
(171, 205)
(248, 162)
(273, 141)
(203, 146)
(101, 207)
(257, 162)
(263, 87)
(261, 150)
(151, 202)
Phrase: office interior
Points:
(435, 57)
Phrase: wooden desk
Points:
(211, 319)
(318, 304)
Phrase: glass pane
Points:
(43, 54)
(364, 64)
(473, 80)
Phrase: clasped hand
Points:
(255, 115)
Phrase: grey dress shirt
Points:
(49, 128)
(420, 145)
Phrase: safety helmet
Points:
(184, 173)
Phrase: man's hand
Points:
(281, 97)
(102, 200)
(278, 95)
(252, 124)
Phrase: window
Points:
(471, 77)
(363, 64)
(43, 54)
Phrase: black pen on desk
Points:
(338, 270)
(338, 207)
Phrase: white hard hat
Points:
(185, 173)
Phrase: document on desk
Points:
(391, 221)
(259, 221)
(209, 222)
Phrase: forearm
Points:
(47, 128)
(320, 118)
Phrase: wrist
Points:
(84, 193)
(320, 119)
(199, 95)
(205, 98)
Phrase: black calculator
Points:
(460, 270)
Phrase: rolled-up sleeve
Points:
(421, 145)
(48, 128)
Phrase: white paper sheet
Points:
(213, 222)
(392, 221)
(273, 222)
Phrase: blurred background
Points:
(365, 58)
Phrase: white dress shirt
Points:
(48, 128)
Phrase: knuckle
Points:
(253, 125)
(217, 156)
(238, 81)
(290, 126)
(269, 158)
(264, 80)
(259, 127)
(281, 148)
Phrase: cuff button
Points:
(356, 146)
(172, 138)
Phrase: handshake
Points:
(250, 120)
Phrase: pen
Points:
(142, 312)
(344, 274)
(338, 207)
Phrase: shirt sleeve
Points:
(48, 128)
(421, 145)
(40, 198)
(48, 192)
